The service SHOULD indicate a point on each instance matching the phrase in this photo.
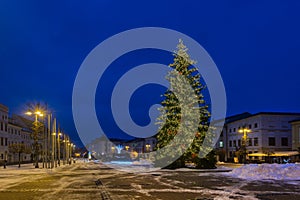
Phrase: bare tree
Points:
(19, 148)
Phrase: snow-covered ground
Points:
(77, 181)
(267, 172)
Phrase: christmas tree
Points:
(178, 111)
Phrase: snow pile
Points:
(267, 172)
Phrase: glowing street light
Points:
(37, 126)
(58, 147)
(113, 149)
(245, 131)
(148, 147)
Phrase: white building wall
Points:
(3, 133)
(263, 126)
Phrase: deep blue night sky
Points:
(255, 44)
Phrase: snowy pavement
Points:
(98, 181)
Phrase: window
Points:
(255, 125)
(1, 126)
(255, 141)
(233, 129)
(2, 141)
(2, 156)
(284, 141)
(230, 130)
(272, 141)
(250, 142)
(221, 144)
(5, 127)
(234, 143)
(5, 141)
(250, 126)
(230, 143)
(239, 143)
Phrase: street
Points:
(97, 181)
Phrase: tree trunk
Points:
(19, 159)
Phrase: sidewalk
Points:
(29, 168)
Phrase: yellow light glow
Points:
(244, 130)
(38, 112)
(77, 154)
(28, 113)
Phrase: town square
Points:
(167, 100)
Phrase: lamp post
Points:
(71, 152)
(67, 149)
(58, 147)
(36, 128)
(49, 140)
(64, 149)
(148, 147)
(245, 132)
(53, 142)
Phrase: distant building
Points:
(3, 133)
(295, 134)
(14, 137)
(19, 139)
(142, 145)
(222, 145)
(103, 147)
(270, 132)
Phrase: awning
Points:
(257, 154)
(277, 153)
(285, 153)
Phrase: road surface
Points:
(97, 181)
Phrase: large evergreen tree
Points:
(172, 112)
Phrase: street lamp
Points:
(245, 132)
(72, 147)
(148, 147)
(58, 147)
(64, 152)
(69, 152)
(112, 149)
(36, 128)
